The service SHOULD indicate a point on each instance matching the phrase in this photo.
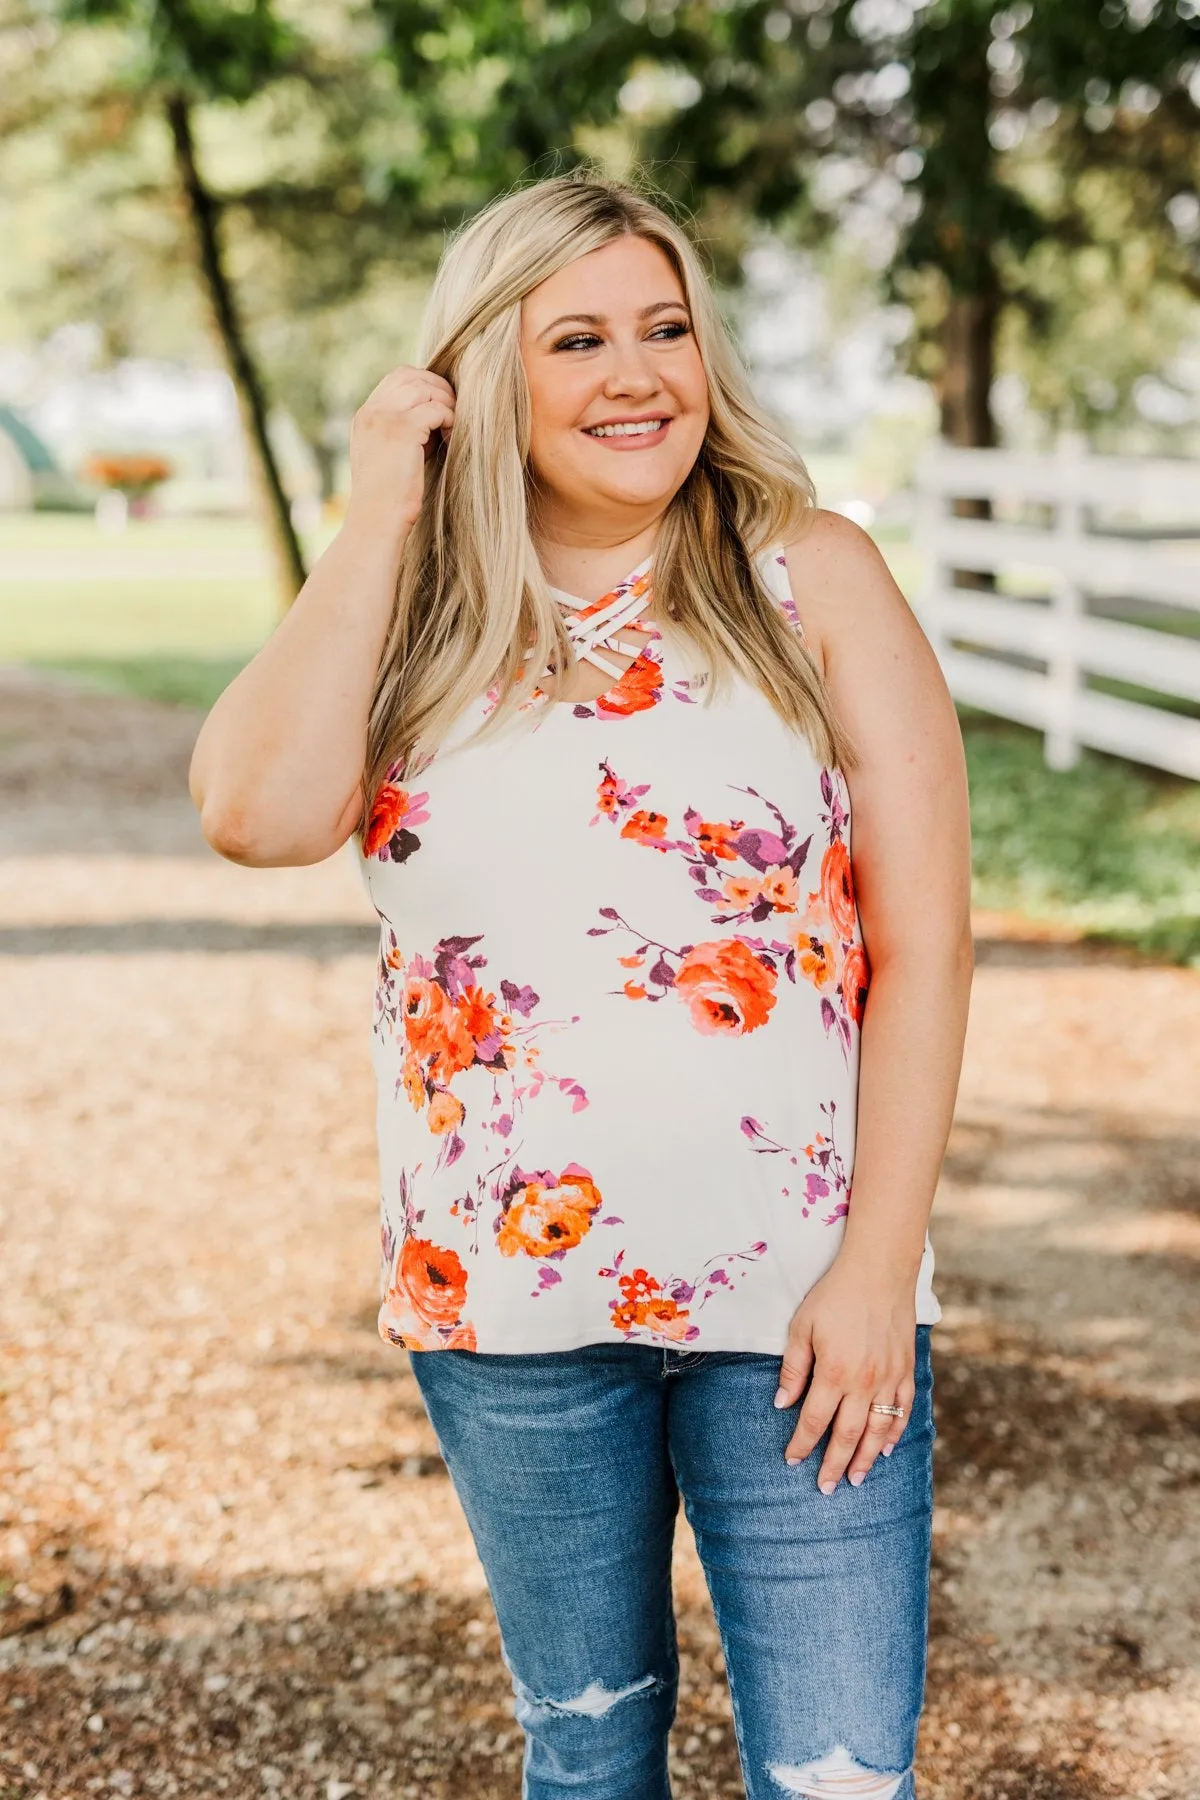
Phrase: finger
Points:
(400, 385)
(844, 1439)
(906, 1393)
(794, 1371)
(815, 1417)
(875, 1435)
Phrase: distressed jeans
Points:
(570, 1465)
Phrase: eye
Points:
(673, 328)
(578, 340)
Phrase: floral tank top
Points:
(620, 986)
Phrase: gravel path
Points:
(230, 1561)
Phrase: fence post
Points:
(930, 509)
(1068, 605)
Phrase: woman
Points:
(598, 689)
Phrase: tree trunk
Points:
(969, 360)
(204, 217)
(969, 351)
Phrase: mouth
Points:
(629, 434)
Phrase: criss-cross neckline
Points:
(593, 626)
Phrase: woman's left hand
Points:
(855, 1335)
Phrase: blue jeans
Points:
(569, 1466)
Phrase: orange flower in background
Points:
(543, 1218)
(445, 1112)
(432, 1280)
(726, 988)
(837, 889)
(386, 816)
(856, 979)
(645, 827)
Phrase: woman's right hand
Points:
(395, 431)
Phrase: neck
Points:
(589, 563)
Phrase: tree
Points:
(920, 116)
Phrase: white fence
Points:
(1116, 539)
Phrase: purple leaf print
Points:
(828, 1016)
(454, 1149)
(582, 712)
(597, 930)
(609, 912)
(761, 849)
(815, 1189)
(826, 787)
(751, 1127)
(662, 974)
(503, 1124)
(683, 1290)
(519, 999)
(611, 1219)
(799, 856)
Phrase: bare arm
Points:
(277, 766)
(912, 870)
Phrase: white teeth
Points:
(641, 429)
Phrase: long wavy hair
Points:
(473, 612)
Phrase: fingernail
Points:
(827, 1487)
(793, 1462)
(888, 1448)
(781, 1397)
(858, 1477)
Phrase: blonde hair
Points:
(473, 611)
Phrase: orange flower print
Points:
(462, 1338)
(445, 1112)
(837, 889)
(727, 989)
(664, 1309)
(394, 812)
(646, 828)
(637, 690)
(644, 1304)
(548, 1215)
(425, 1296)
(739, 893)
(856, 979)
(716, 840)
(445, 1022)
(817, 962)
(434, 1280)
(778, 885)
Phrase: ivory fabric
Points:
(617, 1013)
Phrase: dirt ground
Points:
(232, 1563)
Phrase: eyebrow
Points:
(647, 312)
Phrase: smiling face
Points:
(618, 393)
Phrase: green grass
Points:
(1109, 846)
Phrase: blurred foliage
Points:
(1022, 176)
(1109, 846)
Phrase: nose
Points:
(632, 375)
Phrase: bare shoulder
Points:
(842, 587)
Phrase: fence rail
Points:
(1021, 614)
